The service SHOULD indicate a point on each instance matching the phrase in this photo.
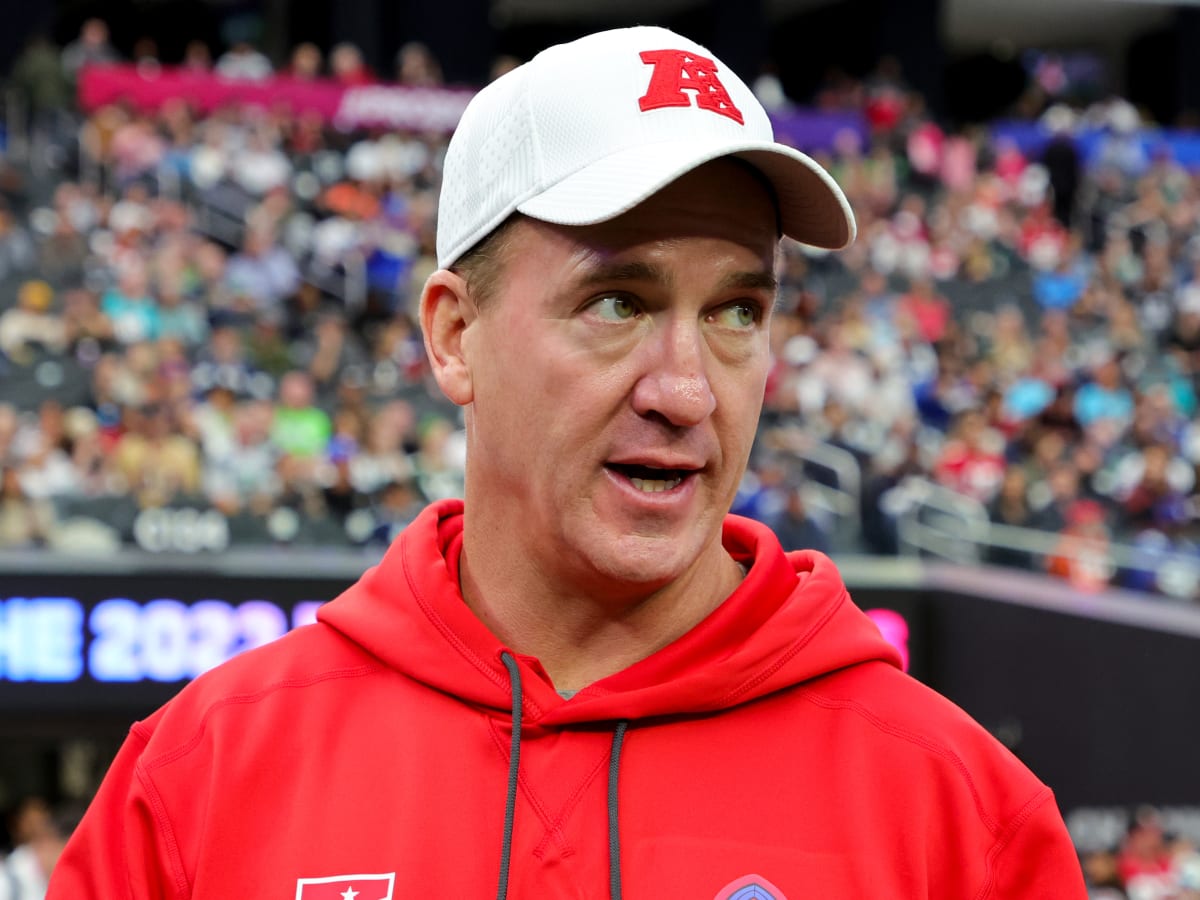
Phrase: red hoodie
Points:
(774, 751)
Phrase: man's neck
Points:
(581, 636)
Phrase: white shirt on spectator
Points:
(21, 877)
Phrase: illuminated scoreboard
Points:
(84, 643)
(60, 639)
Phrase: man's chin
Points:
(646, 562)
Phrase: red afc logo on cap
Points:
(676, 71)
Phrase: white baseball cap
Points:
(587, 130)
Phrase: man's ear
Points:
(446, 311)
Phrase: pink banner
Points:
(386, 105)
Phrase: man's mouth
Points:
(649, 479)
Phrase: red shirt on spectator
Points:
(928, 310)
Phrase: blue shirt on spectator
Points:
(1059, 290)
(134, 319)
(1094, 402)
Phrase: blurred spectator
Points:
(1081, 554)
(1104, 398)
(1011, 507)
(1062, 285)
(47, 471)
(31, 324)
(762, 493)
(197, 57)
(240, 460)
(398, 504)
(928, 310)
(1101, 876)
(145, 56)
(1121, 147)
(1151, 495)
(1143, 853)
(264, 274)
(24, 522)
(384, 458)
(37, 75)
(339, 493)
(130, 308)
(224, 362)
(347, 67)
(300, 429)
(796, 527)
(39, 838)
(64, 253)
(244, 62)
(90, 48)
(440, 459)
(305, 63)
(261, 167)
(331, 352)
(972, 461)
(17, 251)
(1062, 161)
(135, 150)
(158, 463)
(416, 66)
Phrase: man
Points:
(38, 837)
(587, 682)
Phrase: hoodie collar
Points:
(789, 620)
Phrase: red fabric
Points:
(776, 739)
(677, 70)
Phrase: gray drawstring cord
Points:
(614, 834)
(510, 804)
(514, 765)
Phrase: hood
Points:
(790, 620)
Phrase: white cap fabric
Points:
(587, 130)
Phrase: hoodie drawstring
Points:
(514, 768)
(614, 834)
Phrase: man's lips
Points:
(653, 478)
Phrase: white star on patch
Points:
(349, 894)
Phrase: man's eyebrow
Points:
(636, 270)
(751, 281)
(608, 273)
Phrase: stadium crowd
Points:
(207, 339)
(208, 319)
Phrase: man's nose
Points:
(675, 384)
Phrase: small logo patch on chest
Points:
(346, 887)
(750, 887)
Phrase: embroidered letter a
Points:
(676, 71)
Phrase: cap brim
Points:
(813, 209)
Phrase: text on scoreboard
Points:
(63, 639)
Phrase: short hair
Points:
(482, 267)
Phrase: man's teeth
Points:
(655, 485)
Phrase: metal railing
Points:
(837, 498)
(932, 519)
(939, 522)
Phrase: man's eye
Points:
(737, 315)
(615, 308)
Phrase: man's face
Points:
(617, 377)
